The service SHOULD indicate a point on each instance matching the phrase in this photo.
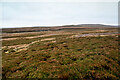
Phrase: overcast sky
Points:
(53, 12)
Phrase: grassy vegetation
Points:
(18, 41)
(22, 35)
(27, 41)
(68, 58)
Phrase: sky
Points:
(56, 13)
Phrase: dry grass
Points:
(59, 56)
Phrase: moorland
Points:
(67, 52)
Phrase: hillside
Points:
(54, 28)
(85, 53)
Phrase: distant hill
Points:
(89, 25)
(54, 28)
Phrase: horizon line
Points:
(59, 25)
